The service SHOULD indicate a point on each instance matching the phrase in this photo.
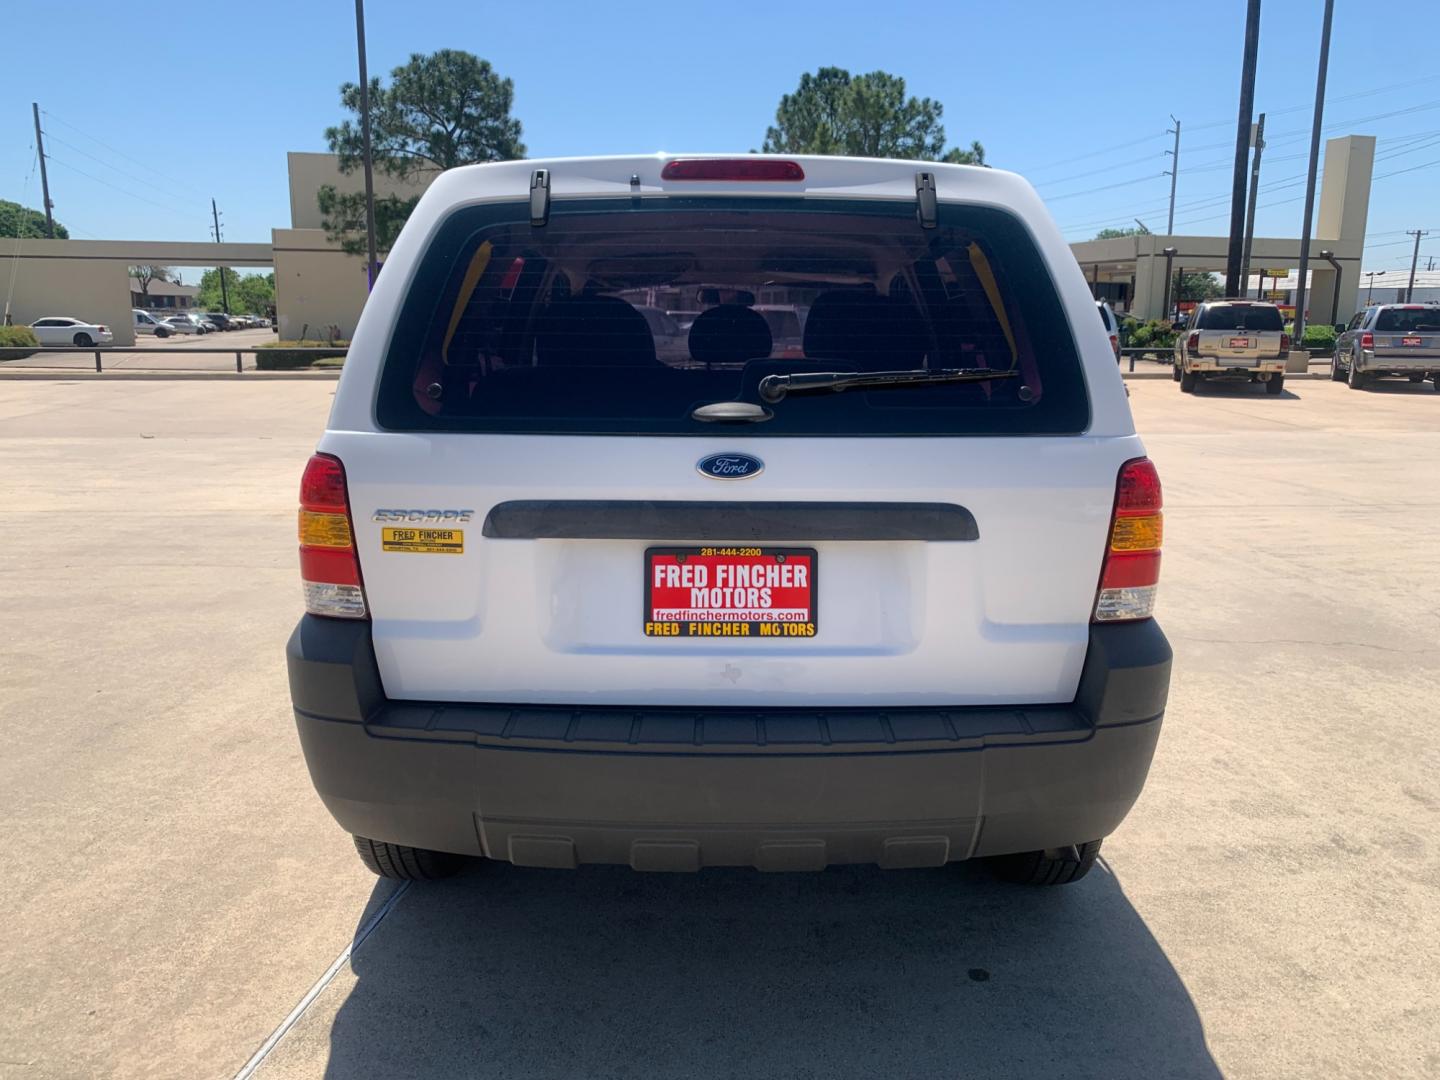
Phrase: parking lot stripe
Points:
(305, 1002)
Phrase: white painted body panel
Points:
(1003, 619)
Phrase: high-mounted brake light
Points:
(1131, 572)
(732, 169)
(329, 567)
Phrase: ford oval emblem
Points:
(730, 466)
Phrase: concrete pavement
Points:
(1269, 909)
(176, 353)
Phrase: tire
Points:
(1417, 378)
(1060, 866)
(1175, 372)
(1355, 377)
(1436, 380)
(162, 333)
(84, 341)
(1275, 383)
(400, 863)
(1187, 382)
(1337, 373)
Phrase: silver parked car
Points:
(1232, 338)
(1389, 339)
(186, 323)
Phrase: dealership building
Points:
(319, 289)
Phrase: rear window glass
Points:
(1403, 320)
(1241, 317)
(625, 317)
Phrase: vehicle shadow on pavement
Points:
(1243, 390)
(854, 972)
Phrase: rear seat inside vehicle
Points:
(875, 333)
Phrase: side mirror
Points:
(1177, 326)
(1339, 328)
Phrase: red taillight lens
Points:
(1284, 344)
(733, 169)
(1367, 340)
(329, 567)
(1131, 571)
(1193, 343)
(1115, 345)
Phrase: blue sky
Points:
(209, 105)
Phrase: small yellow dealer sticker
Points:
(424, 541)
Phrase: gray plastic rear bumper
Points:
(677, 789)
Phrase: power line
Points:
(119, 153)
(114, 187)
(115, 168)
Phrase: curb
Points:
(125, 375)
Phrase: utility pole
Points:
(224, 292)
(370, 264)
(1174, 171)
(44, 178)
(1414, 259)
(1242, 148)
(1314, 165)
(1250, 213)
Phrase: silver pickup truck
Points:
(1230, 338)
(1389, 339)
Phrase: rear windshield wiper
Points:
(773, 388)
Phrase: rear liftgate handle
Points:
(539, 197)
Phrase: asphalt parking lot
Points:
(174, 889)
(179, 352)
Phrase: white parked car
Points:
(186, 323)
(146, 323)
(62, 330)
(572, 601)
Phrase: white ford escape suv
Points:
(885, 598)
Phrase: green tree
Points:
(1116, 234)
(247, 293)
(1198, 286)
(144, 275)
(17, 220)
(441, 110)
(834, 112)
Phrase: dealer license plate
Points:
(1410, 341)
(1239, 343)
(750, 592)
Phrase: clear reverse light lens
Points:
(1136, 602)
(338, 601)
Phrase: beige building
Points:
(1131, 271)
(90, 279)
(318, 288)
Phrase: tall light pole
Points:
(1314, 165)
(1370, 283)
(1174, 171)
(1242, 148)
(370, 260)
(1169, 254)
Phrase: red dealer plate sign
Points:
(754, 592)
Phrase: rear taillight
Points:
(1115, 345)
(329, 568)
(1193, 342)
(1367, 340)
(733, 169)
(1284, 344)
(1131, 572)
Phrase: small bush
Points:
(1319, 339)
(283, 355)
(17, 342)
